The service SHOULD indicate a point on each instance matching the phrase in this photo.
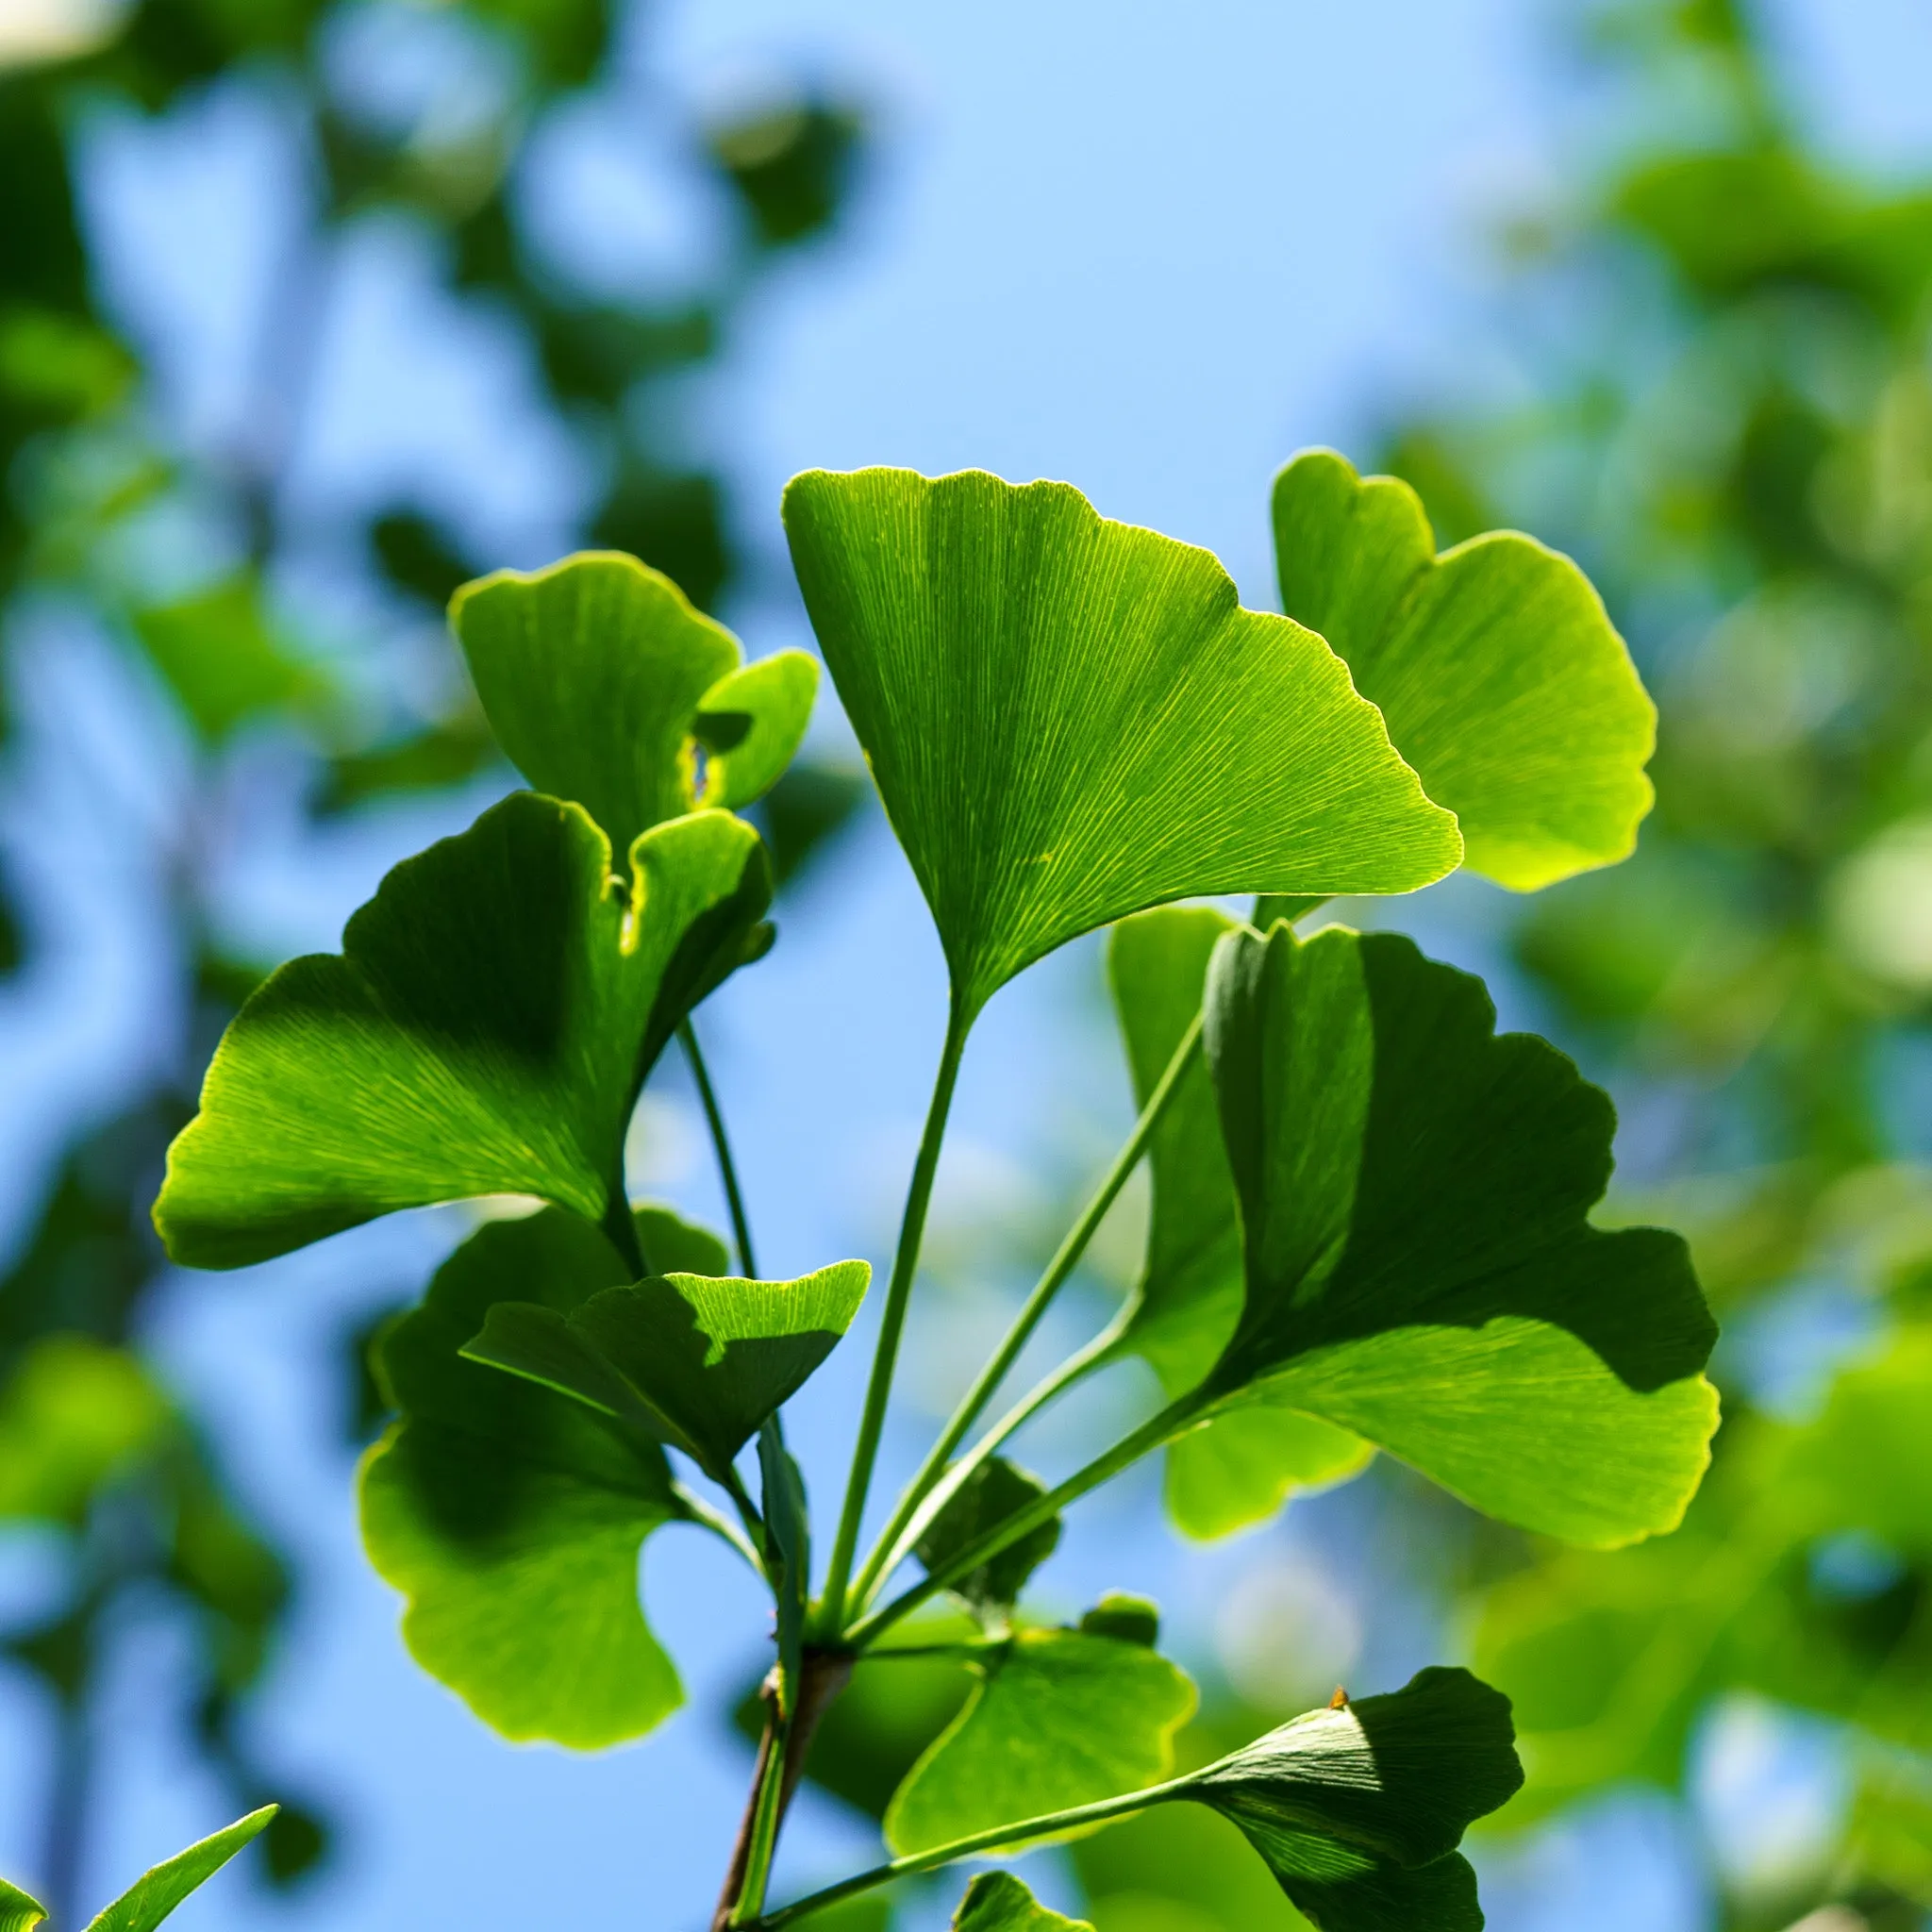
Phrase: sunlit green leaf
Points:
(1358, 1810)
(1070, 719)
(1236, 1469)
(484, 1031)
(74, 1413)
(996, 1490)
(510, 1516)
(597, 675)
(697, 1361)
(999, 1902)
(19, 1910)
(159, 1890)
(221, 656)
(1501, 679)
(1062, 1717)
(1420, 1267)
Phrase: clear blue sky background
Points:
(1149, 249)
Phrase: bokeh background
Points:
(308, 312)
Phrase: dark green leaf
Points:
(792, 164)
(804, 814)
(596, 676)
(1070, 719)
(1237, 1469)
(787, 1531)
(1501, 679)
(1132, 1619)
(1358, 1810)
(1062, 1717)
(510, 1516)
(999, 1902)
(697, 1361)
(996, 1490)
(485, 1031)
(157, 1891)
(1420, 1267)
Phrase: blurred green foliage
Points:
(1729, 421)
(95, 1451)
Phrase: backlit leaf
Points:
(1236, 1469)
(1502, 678)
(999, 1902)
(19, 1910)
(1358, 1810)
(1070, 719)
(1420, 1268)
(160, 1889)
(996, 1490)
(1060, 1718)
(697, 1361)
(597, 677)
(485, 1030)
(510, 1516)
(74, 1413)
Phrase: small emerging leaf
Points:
(1070, 719)
(1358, 1810)
(1062, 1717)
(160, 1889)
(996, 1490)
(512, 1517)
(1236, 1469)
(1502, 678)
(999, 1902)
(485, 1030)
(596, 674)
(697, 1361)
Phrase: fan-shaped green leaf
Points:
(598, 676)
(1502, 678)
(996, 1490)
(999, 1902)
(697, 1361)
(510, 1516)
(1236, 1469)
(485, 1030)
(160, 1889)
(1062, 1717)
(1420, 1268)
(1358, 1810)
(1070, 719)
(20, 1911)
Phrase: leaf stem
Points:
(1156, 1430)
(999, 1839)
(894, 1539)
(905, 1263)
(727, 1171)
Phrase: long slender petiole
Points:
(720, 1141)
(889, 1550)
(905, 1264)
(999, 1839)
(1156, 1430)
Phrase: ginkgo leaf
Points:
(996, 1490)
(161, 1888)
(999, 1902)
(510, 1516)
(1502, 678)
(1070, 719)
(695, 1360)
(485, 1030)
(20, 1911)
(1420, 1267)
(1062, 1717)
(1358, 1810)
(599, 679)
(1235, 1469)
